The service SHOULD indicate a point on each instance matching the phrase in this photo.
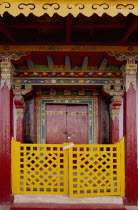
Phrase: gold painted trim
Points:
(64, 7)
(66, 113)
(6, 49)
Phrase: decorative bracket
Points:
(7, 71)
(116, 92)
(19, 100)
(130, 70)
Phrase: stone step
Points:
(59, 206)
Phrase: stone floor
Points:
(7, 207)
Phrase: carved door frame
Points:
(40, 117)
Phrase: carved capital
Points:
(130, 73)
(14, 55)
(19, 91)
(19, 99)
(116, 92)
(7, 70)
(130, 70)
(113, 90)
(115, 106)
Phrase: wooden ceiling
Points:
(94, 30)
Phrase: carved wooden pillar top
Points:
(129, 73)
(129, 125)
(7, 71)
(20, 105)
(116, 93)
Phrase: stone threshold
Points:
(62, 199)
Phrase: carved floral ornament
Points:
(64, 7)
(7, 69)
(116, 92)
(19, 100)
(130, 70)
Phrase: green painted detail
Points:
(43, 68)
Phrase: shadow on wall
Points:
(29, 120)
(105, 123)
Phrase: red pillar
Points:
(114, 118)
(130, 136)
(6, 132)
(19, 104)
(116, 93)
(20, 124)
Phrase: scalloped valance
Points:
(64, 7)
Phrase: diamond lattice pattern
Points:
(94, 170)
(82, 170)
(43, 170)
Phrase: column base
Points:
(6, 199)
(128, 202)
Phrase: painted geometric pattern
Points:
(95, 170)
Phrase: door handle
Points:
(69, 137)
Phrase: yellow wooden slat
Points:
(15, 165)
(122, 165)
(97, 171)
(43, 170)
(80, 171)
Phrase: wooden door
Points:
(66, 123)
(77, 124)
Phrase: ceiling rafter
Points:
(131, 29)
(69, 19)
(4, 29)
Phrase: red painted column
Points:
(19, 104)
(130, 134)
(116, 93)
(6, 132)
(20, 124)
(114, 118)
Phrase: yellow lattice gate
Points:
(81, 170)
(39, 169)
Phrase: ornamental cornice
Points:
(65, 7)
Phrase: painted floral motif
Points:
(53, 81)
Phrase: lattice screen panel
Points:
(43, 169)
(94, 170)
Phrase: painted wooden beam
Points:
(63, 47)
